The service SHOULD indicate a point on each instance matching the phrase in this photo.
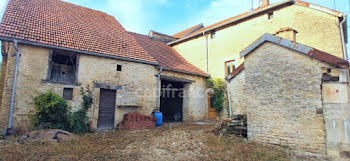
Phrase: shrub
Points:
(219, 93)
(52, 112)
(79, 119)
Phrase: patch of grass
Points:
(170, 142)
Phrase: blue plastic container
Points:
(159, 117)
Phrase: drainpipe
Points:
(229, 98)
(14, 82)
(206, 50)
(158, 89)
(345, 53)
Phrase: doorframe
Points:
(99, 107)
(209, 108)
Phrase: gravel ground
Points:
(178, 141)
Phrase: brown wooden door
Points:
(106, 109)
(211, 108)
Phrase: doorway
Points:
(171, 100)
(106, 109)
(211, 107)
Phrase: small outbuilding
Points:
(293, 95)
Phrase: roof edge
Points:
(309, 51)
(26, 42)
(235, 72)
(234, 20)
(199, 26)
(185, 72)
(297, 2)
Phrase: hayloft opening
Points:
(171, 100)
(62, 67)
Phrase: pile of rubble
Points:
(135, 121)
(236, 125)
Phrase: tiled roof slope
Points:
(305, 4)
(166, 56)
(62, 24)
(188, 31)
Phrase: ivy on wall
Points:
(218, 86)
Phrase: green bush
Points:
(79, 119)
(219, 93)
(52, 112)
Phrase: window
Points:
(270, 15)
(230, 66)
(212, 100)
(68, 93)
(213, 34)
(119, 68)
(62, 67)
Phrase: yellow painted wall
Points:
(315, 28)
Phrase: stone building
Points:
(293, 95)
(218, 45)
(58, 46)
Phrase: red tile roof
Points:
(305, 4)
(188, 31)
(166, 56)
(62, 24)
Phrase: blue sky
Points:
(171, 16)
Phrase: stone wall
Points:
(281, 94)
(138, 83)
(238, 95)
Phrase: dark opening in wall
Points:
(270, 15)
(68, 93)
(63, 67)
(213, 34)
(119, 68)
(171, 101)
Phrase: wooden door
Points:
(106, 109)
(211, 108)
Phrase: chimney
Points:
(265, 3)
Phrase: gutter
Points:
(26, 42)
(341, 27)
(234, 20)
(14, 83)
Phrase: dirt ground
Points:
(170, 142)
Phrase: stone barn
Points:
(293, 95)
(58, 46)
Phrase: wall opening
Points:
(63, 67)
(68, 93)
(171, 100)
